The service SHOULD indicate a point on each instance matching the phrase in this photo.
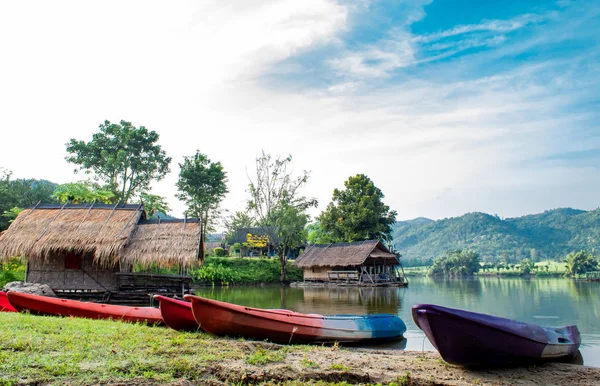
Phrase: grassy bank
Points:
(49, 350)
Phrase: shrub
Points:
(220, 252)
(12, 270)
(237, 270)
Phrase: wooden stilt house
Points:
(88, 251)
(360, 263)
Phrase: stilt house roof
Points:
(111, 233)
(345, 254)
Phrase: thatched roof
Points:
(344, 254)
(106, 231)
(166, 242)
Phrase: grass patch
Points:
(307, 363)
(36, 349)
(262, 356)
(340, 367)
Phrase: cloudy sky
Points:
(449, 106)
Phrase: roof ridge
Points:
(371, 250)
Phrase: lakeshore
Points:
(51, 350)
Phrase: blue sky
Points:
(535, 62)
(449, 106)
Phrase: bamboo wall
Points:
(52, 271)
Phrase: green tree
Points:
(316, 234)
(358, 213)
(526, 266)
(123, 158)
(275, 200)
(154, 204)
(237, 221)
(202, 185)
(290, 225)
(456, 263)
(83, 192)
(579, 263)
(20, 193)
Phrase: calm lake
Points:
(548, 302)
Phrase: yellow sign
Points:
(257, 241)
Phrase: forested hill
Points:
(548, 235)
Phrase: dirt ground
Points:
(361, 366)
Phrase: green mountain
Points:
(549, 235)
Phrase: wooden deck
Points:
(366, 279)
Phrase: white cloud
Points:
(375, 61)
(498, 26)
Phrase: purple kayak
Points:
(472, 339)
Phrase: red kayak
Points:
(284, 326)
(177, 314)
(43, 305)
(5, 305)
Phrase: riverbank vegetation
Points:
(456, 264)
(237, 271)
(466, 263)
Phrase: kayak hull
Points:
(284, 326)
(5, 305)
(43, 305)
(473, 339)
(177, 314)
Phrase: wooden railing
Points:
(342, 275)
(148, 282)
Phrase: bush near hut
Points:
(11, 270)
(236, 270)
(220, 252)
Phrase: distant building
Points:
(360, 263)
(79, 248)
(257, 241)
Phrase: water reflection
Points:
(351, 300)
(544, 301)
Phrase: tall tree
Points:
(276, 201)
(274, 186)
(290, 227)
(202, 186)
(358, 213)
(122, 157)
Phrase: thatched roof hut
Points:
(110, 233)
(346, 255)
(165, 242)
